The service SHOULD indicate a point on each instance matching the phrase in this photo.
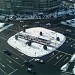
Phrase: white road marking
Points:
(12, 59)
(13, 72)
(9, 61)
(5, 27)
(70, 38)
(3, 71)
(15, 58)
(12, 30)
(59, 60)
(2, 65)
(16, 54)
(60, 56)
(3, 35)
(11, 67)
(70, 43)
(22, 65)
(31, 59)
(3, 38)
(53, 56)
(64, 52)
(68, 73)
(66, 59)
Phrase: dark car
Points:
(31, 71)
(7, 52)
(28, 63)
(6, 24)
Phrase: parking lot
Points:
(14, 64)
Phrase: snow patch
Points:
(36, 49)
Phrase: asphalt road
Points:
(14, 64)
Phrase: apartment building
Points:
(28, 6)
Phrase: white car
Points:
(31, 71)
(39, 61)
(63, 23)
(69, 22)
(48, 24)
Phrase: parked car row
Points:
(55, 14)
(27, 63)
(69, 22)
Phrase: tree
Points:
(58, 39)
(29, 43)
(16, 37)
(45, 47)
(40, 33)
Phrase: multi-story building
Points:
(69, 3)
(2, 4)
(28, 6)
(5, 5)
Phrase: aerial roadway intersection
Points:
(15, 62)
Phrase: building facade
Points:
(28, 6)
(69, 3)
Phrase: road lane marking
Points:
(9, 61)
(12, 30)
(2, 29)
(11, 67)
(2, 65)
(70, 43)
(53, 57)
(13, 72)
(59, 60)
(16, 54)
(70, 38)
(68, 73)
(66, 59)
(31, 59)
(12, 59)
(3, 71)
(64, 52)
(52, 54)
(3, 38)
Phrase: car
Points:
(63, 23)
(69, 66)
(6, 24)
(39, 61)
(68, 30)
(28, 63)
(7, 52)
(48, 24)
(31, 71)
(21, 21)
